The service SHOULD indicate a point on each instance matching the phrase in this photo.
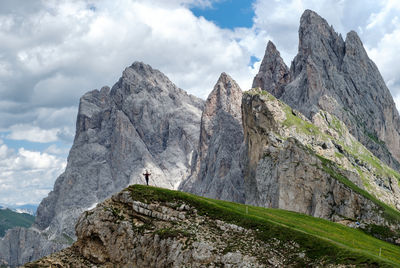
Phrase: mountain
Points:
(216, 170)
(315, 167)
(143, 122)
(27, 208)
(10, 219)
(336, 76)
(152, 227)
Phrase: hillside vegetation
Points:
(321, 239)
(10, 219)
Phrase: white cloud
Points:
(56, 150)
(33, 134)
(26, 175)
(62, 49)
(386, 50)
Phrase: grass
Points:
(391, 214)
(380, 232)
(165, 233)
(337, 125)
(69, 239)
(300, 124)
(374, 138)
(10, 219)
(358, 151)
(321, 240)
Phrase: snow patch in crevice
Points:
(92, 206)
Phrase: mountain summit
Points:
(337, 76)
(273, 74)
(216, 171)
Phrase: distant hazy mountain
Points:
(10, 219)
(27, 208)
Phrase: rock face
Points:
(317, 168)
(22, 244)
(217, 170)
(336, 76)
(126, 232)
(143, 122)
(274, 74)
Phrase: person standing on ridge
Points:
(147, 176)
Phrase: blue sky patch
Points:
(253, 60)
(228, 13)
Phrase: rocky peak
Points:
(273, 74)
(216, 171)
(319, 41)
(355, 48)
(141, 71)
(225, 97)
(338, 77)
(312, 23)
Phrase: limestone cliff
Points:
(217, 169)
(337, 76)
(143, 122)
(317, 168)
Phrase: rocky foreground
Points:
(152, 227)
(123, 231)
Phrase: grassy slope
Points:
(322, 240)
(10, 219)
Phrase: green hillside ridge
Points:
(10, 219)
(322, 241)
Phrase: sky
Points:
(53, 51)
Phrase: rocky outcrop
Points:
(217, 170)
(317, 168)
(273, 74)
(143, 122)
(128, 231)
(337, 76)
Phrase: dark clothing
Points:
(147, 176)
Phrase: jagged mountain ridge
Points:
(216, 169)
(143, 122)
(337, 76)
